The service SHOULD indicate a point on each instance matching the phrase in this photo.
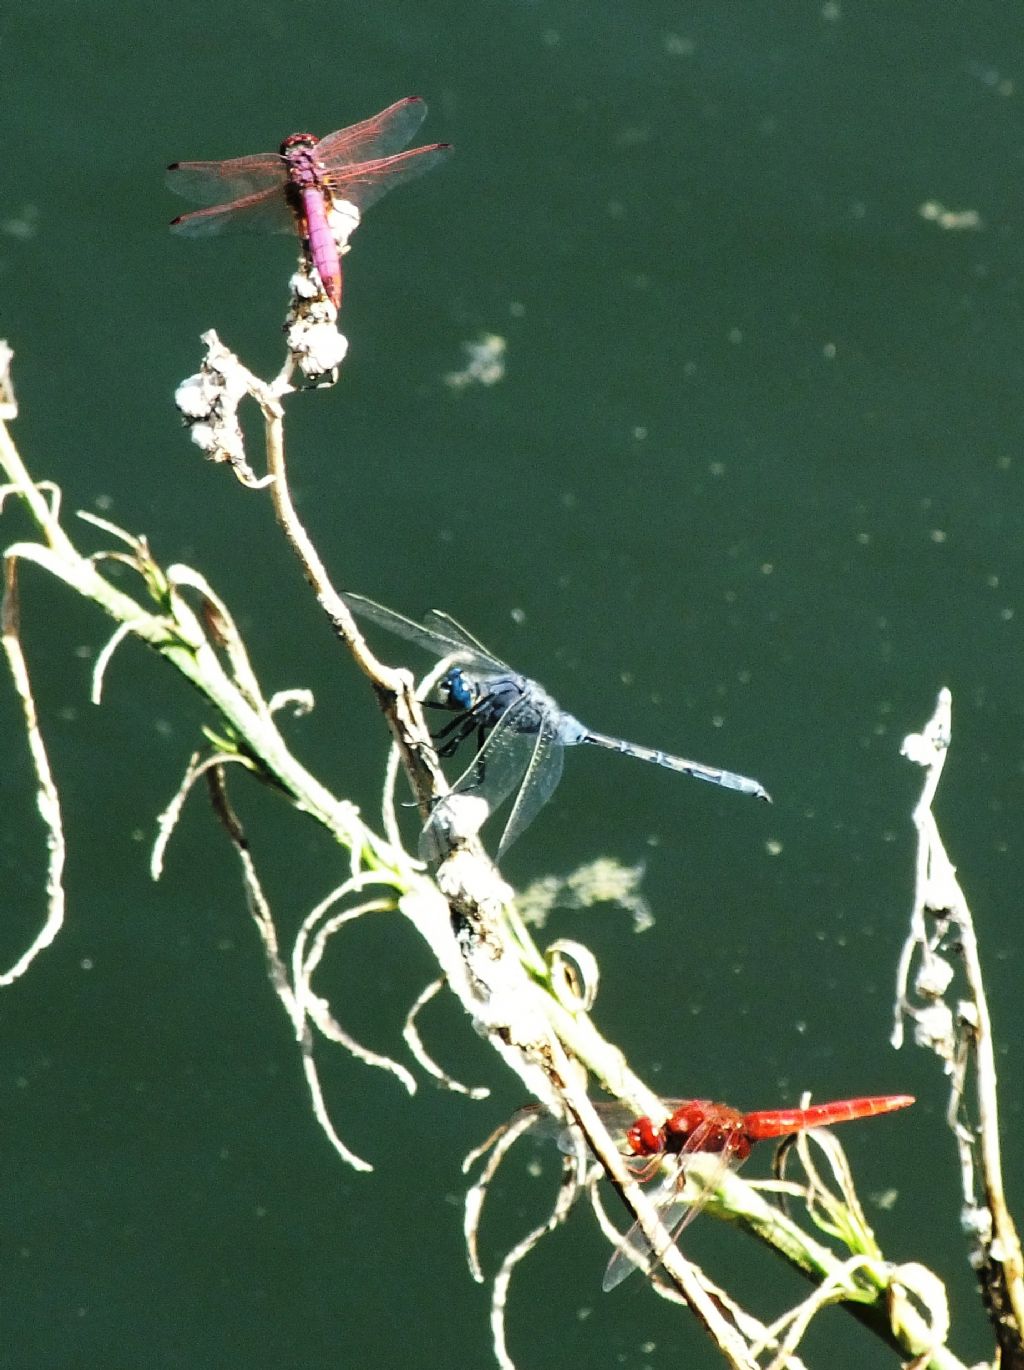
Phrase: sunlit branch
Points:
(959, 1032)
(47, 799)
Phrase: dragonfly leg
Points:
(479, 768)
(462, 724)
(482, 735)
(456, 733)
(644, 1168)
(457, 722)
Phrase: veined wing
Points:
(495, 771)
(214, 183)
(364, 183)
(267, 212)
(540, 779)
(617, 1117)
(675, 1210)
(384, 134)
(439, 634)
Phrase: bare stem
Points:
(47, 798)
(960, 1033)
(394, 688)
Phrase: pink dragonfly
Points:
(700, 1126)
(296, 189)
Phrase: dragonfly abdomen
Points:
(322, 247)
(727, 779)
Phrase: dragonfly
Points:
(519, 732)
(699, 1127)
(305, 184)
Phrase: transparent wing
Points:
(616, 1117)
(268, 212)
(674, 1208)
(440, 622)
(365, 182)
(540, 779)
(214, 183)
(492, 775)
(439, 634)
(383, 134)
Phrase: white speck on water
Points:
(485, 364)
(22, 224)
(956, 220)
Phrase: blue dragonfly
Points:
(520, 732)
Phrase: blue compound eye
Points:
(458, 689)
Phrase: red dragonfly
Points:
(297, 188)
(700, 1126)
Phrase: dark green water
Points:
(749, 490)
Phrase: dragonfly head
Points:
(644, 1139)
(457, 690)
(298, 140)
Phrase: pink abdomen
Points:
(322, 247)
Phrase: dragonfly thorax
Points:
(722, 1128)
(304, 170)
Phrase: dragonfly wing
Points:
(365, 182)
(385, 133)
(674, 1207)
(492, 775)
(504, 756)
(452, 631)
(214, 183)
(616, 1117)
(267, 212)
(440, 635)
(634, 1250)
(541, 777)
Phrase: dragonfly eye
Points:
(644, 1139)
(295, 140)
(459, 694)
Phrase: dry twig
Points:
(942, 941)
